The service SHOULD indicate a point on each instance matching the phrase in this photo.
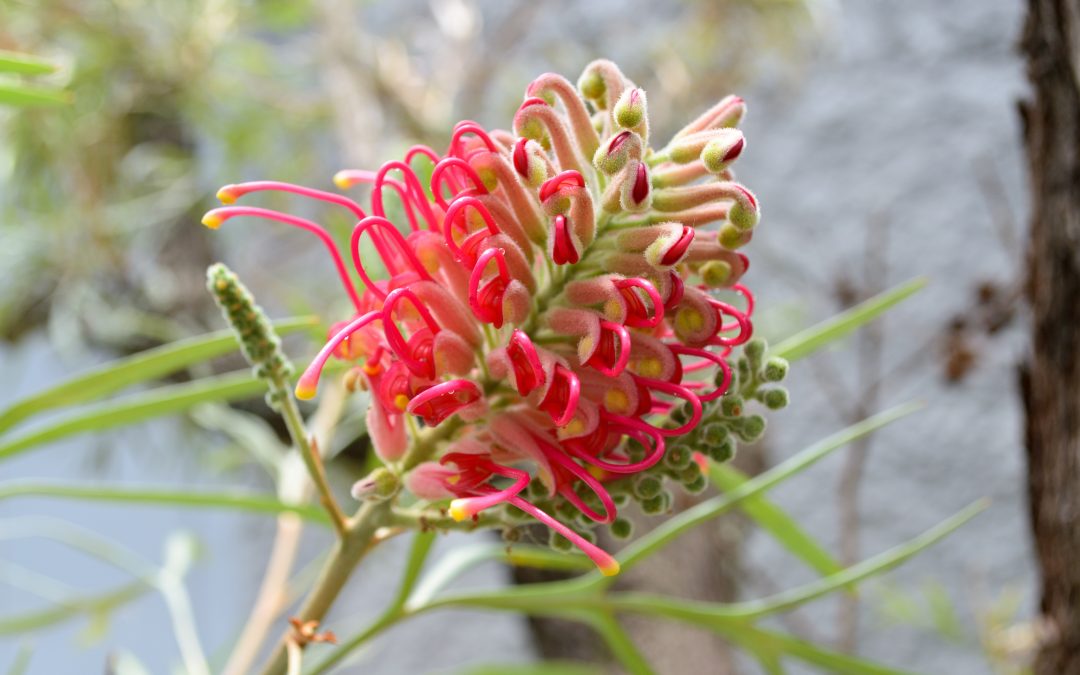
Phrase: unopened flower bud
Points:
(377, 486)
(721, 151)
(612, 156)
(731, 406)
(752, 428)
(755, 352)
(776, 369)
(715, 273)
(774, 399)
(731, 237)
(646, 486)
(621, 528)
(631, 111)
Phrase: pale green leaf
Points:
(24, 64)
(771, 518)
(16, 94)
(139, 407)
(814, 338)
(135, 369)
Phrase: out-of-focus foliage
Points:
(99, 196)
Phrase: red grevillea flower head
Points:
(560, 302)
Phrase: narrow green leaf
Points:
(15, 94)
(622, 647)
(422, 542)
(139, 407)
(164, 496)
(458, 561)
(542, 668)
(767, 641)
(21, 664)
(771, 518)
(24, 64)
(141, 367)
(668, 531)
(814, 338)
(90, 605)
(882, 562)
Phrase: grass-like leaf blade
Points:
(814, 338)
(141, 367)
(239, 500)
(24, 64)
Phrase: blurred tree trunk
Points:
(1050, 379)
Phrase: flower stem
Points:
(312, 460)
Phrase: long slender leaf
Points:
(16, 94)
(767, 641)
(164, 496)
(50, 616)
(140, 407)
(814, 338)
(771, 518)
(24, 64)
(687, 520)
(21, 664)
(141, 367)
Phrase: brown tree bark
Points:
(1050, 379)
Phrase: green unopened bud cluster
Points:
(258, 340)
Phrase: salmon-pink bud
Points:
(603, 83)
(448, 310)
(534, 118)
(437, 403)
(377, 486)
(636, 195)
(613, 155)
(550, 85)
(603, 344)
(663, 245)
(727, 113)
(695, 320)
(430, 481)
(674, 175)
(630, 110)
(741, 212)
(517, 303)
(744, 213)
(585, 421)
(452, 354)
(387, 431)
(618, 394)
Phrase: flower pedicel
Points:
(553, 300)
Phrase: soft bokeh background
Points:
(882, 141)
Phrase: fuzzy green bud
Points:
(678, 456)
(774, 399)
(722, 452)
(754, 350)
(731, 406)
(621, 528)
(776, 369)
(715, 273)
(560, 543)
(377, 486)
(630, 109)
(697, 485)
(647, 487)
(752, 428)
(654, 505)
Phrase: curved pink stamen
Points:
(468, 507)
(634, 320)
(745, 292)
(677, 289)
(598, 359)
(706, 357)
(438, 178)
(679, 248)
(566, 409)
(457, 208)
(608, 565)
(555, 183)
(746, 329)
(393, 333)
(403, 247)
(416, 192)
(237, 190)
(309, 380)
(521, 352)
(678, 391)
(222, 214)
(469, 127)
(634, 428)
(558, 456)
(492, 315)
(437, 403)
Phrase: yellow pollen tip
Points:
(342, 180)
(610, 569)
(401, 401)
(458, 510)
(212, 220)
(305, 392)
(226, 196)
(372, 367)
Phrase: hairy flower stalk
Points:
(555, 300)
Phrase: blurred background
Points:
(883, 143)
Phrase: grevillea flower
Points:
(555, 298)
